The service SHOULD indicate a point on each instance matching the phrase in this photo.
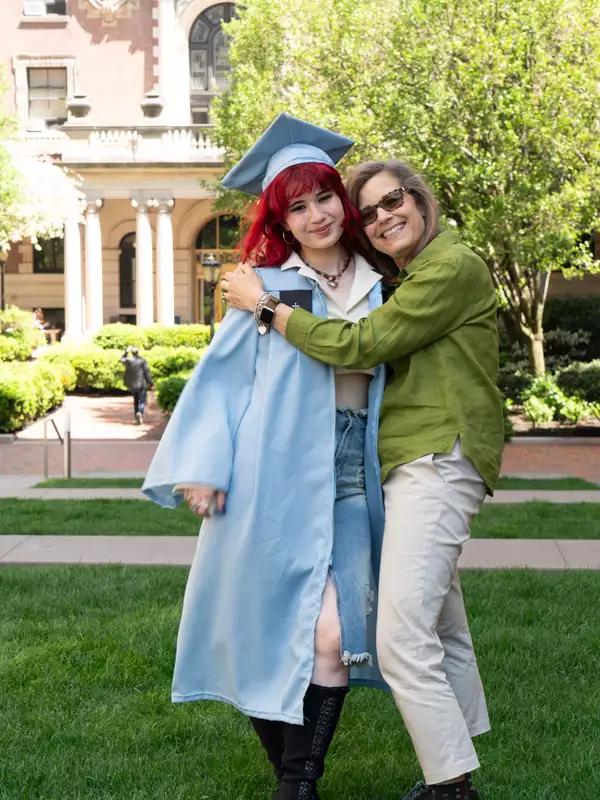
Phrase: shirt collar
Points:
(435, 248)
(365, 278)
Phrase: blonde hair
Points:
(415, 185)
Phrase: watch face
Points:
(267, 315)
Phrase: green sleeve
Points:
(430, 303)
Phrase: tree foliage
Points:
(497, 103)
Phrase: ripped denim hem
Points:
(357, 659)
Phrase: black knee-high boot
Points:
(305, 746)
(270, 734)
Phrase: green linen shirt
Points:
(438, 332)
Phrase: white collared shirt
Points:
(357, 303)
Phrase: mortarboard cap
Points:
(287, 141)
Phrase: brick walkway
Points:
(105, 440)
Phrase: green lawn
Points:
(538, 521)
(94, 517)
(86, 659)
(141, 518)
(90, 483)
(547, 484)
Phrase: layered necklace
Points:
(332, 280)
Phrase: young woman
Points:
(277, 613)
(440, 445)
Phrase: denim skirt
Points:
(351, 556)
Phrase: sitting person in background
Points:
(137, 379)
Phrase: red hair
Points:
(264, 244)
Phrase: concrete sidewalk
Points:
(537, 554)
(18, 491)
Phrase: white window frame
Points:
(34, 9)
(20, 66)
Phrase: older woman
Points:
(440, 446)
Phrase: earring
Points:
(292, 235)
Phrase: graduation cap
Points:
(287, 141)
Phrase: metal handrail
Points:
(65, 444)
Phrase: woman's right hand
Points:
(205, 500)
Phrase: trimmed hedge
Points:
(582, 380)
(576, 314)
(26, 392)
(100, 370)
(118, 336)
(169, 389)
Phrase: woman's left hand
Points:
(242, 288)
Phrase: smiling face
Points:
(316, 219)
(396, 233)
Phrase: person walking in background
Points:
(137, 379)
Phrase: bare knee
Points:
(328, 637)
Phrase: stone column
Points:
(94, 290)
(165, 266)
(73, 282)
(144, 289)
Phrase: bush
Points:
(509, 428)
(18, 337)
(545, 401)
(165, 361)
(26, 392)
(582, 380)
(100, 370)
(169, 390)
(576, 314)
(95, 369)
(118, 336)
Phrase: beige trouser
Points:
(423, 642)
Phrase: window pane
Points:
(215, 13)
(56, 7)
(199, 70)
(221, 60)
(229, 232)
(38, 109)
(57, 77)
(200, 32)
(207, 238)
(37, 77)
(51, 256)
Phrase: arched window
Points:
(127, 271)
(219, 237)
(209, 59)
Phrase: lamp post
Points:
(2, 265)
(211, 267)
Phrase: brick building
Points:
(119, 91)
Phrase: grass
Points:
(90, 483)
(86, 659)
(538, 521)
(141, 518)
(547, 484)
(95, 517)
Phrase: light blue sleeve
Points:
(197, 445)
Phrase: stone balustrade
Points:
(126, 145)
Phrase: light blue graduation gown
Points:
(257, 420)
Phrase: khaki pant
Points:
(423, 642)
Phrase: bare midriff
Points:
(352, 390)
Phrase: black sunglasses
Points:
(389, 202)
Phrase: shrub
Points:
(509, 428)
(537, 411)
(96, 369)
(118, 336)
(546, 396)
(576, 314)
(18, 337)
(26, 392)
(582, 380)
(165, 361)
(169, 390)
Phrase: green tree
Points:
(497, 103)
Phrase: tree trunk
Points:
(536, 354)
